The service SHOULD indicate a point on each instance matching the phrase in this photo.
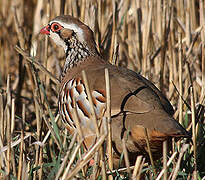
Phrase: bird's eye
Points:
(56, 27)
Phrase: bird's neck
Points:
(76, 52)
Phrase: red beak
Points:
(45, 30)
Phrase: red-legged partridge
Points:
(135, 102)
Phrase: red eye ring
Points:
(56, 27)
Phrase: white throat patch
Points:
(56, 38)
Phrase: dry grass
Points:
(164, 41)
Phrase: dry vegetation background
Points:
(162, 40)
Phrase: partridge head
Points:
(75, 37)
(135, 102)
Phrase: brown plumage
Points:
(135, 102)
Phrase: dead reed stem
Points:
(113, 31)
(202, 20)
(183, 149)
(20, 165)
(140, 169)
(149, 151)
(39, 129)
(66, 172)
(1, 116)
(77, 123)
(137, 167)
(146, 33)
(79, 129)
(165, 159)
(8, 132)
(193, 115)
(96, 166)
(65, 160)
(168, 163)
(125, 153)
(180, 80)
(108, 114)
(93, 115)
